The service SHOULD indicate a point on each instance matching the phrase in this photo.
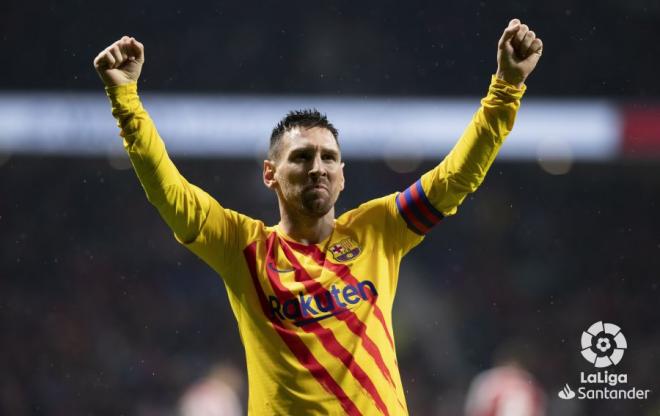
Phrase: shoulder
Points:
(235, 224)
(372, 211)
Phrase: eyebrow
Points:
(302, 149)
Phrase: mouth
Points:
(316, 187)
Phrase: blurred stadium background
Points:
(102, 313)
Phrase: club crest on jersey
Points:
(345, 250)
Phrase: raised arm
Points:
(440, 191)
(183, 206)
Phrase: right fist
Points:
(121, 62)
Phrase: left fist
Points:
(518, 52)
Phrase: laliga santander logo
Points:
(603, 344)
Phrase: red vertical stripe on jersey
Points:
(295, 344)
(352, 321)
(326, 336)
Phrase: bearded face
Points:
(308, 173)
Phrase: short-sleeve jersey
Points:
(316, 319)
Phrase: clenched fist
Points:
(121, 62)
(518, 52)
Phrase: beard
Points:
(317, 202)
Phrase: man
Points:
(313, 294)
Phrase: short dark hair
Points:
(307, 118)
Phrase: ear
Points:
(341, 172)
(269, 174)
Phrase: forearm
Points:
(183, 206)
(465, 167)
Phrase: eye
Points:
(301, 157)
(329, 156)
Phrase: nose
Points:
(317, 169)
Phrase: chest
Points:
(309, 282)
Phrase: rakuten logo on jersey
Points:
(304, 308)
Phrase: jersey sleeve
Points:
(439, 192)
(198, 221)
(380, 221)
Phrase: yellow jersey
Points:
(316, 319)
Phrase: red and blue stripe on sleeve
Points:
(417, 210)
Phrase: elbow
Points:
(464, 183)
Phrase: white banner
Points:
(240, 126)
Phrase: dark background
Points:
(102, 313)
(604, 48)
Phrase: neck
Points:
(307, 229)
